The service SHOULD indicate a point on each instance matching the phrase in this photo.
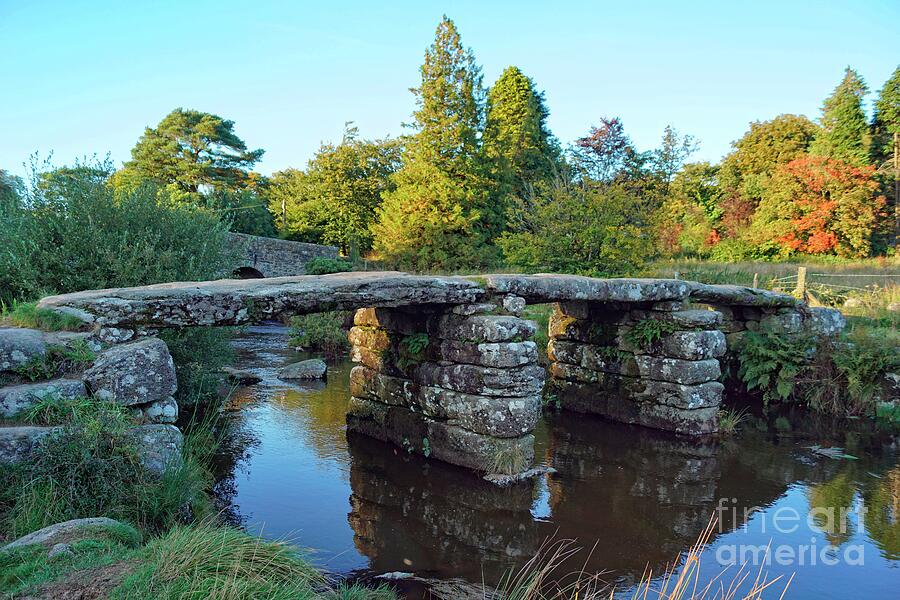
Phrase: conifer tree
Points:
(439, 215)
(517, 142)
(886, 139)
(844, 132)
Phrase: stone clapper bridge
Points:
(446, 365)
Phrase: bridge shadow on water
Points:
(631, 497)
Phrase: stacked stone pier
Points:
(655, 366)
(458, 383)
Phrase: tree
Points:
(244, 211)
(671, 154)
(191, 150)
(604, 152)
(844, 131)
(886, 137)
(688, 221)
(10, 191)
(334, 200)
(517, 141)
(819, 205)
(580, 228)
(439, 216)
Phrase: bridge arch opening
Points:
(247, 273)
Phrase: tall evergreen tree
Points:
(886, 139)
(439, 216)
(517, 142)
(844, 132)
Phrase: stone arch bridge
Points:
(447, 365)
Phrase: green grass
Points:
(540, 314)
(321, 332)
(56, 361)
(27, 314)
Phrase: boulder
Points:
(161, 411)
(158, 446)
(687, 345)
(17, 443)
(18, 399)
(826, 321)
(241, 376)
(135, 373)
(67, 532)
(484, 381)
(18, 346)
(313, 368)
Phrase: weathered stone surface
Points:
(161, 411)
(784, 321)
(17, 443)
(68, 339)
(497, 354)
(735, 295)
(240, 301)
(499, 417)
(372, 338)
(398, 321)
(60, 550)
(826, 321)
(482, 308)
(704, 395)
(514, 305)
(17, 399)
(158, 446)
(556, 288)
(18, 346)
(481, 328)
(686, 319)
(676, 370)
(688, 345)
(135, 373)
(66, 532)
(565, 351)
(368, 383)
(241, 376)
(487, 381)
(313, 368)
(446, 442)
(565, 327)
(587, 398)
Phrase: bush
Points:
(323, 266)
(74, 232)
(321, 332)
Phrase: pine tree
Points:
(517, 142)
(438, 217)
(886, 121)
(844, 132)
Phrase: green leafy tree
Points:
(440, 215)
(688, 220)
(517, 142)
(670, 156)
(334, 200)
(580, 228)
(10, 191)
(844, 131)
(192, 150)
(244, 211)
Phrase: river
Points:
(633, 498)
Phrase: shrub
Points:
(579, 229)
(770, 362)
(321, 332)
(74, 232)
(322, 266)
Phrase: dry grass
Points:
(680, 581)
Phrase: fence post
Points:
(801, 283)
(756, 280)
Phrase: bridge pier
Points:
(652, 364)
(459, 383)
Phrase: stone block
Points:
(676, 370)
(564, 327)
(372, 338)
(481, 308)
(17, 443)
(522, 381)
(609, 359)
(481, 328)
(685, 319)
(565, 351)
(514, 305)
(417, 432)
(158, 446)
(18, 399)
(135, 373)
(18, 346)
(494, 354)
(367, 383)
(826, 321)
(488, 415)
(161, 411)
(688, 345)
(704, 395)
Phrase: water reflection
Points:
(636, 496)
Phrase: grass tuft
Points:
(27, 314)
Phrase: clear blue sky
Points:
(84, 77)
